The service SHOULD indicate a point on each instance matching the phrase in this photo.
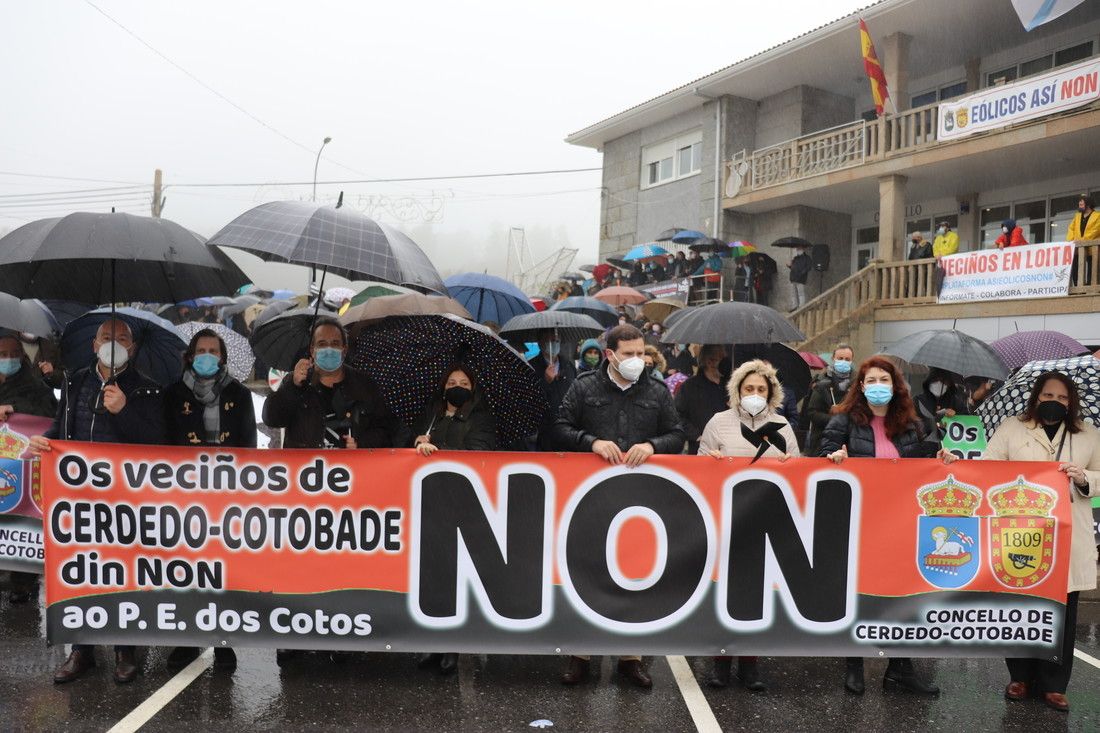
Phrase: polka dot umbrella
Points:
(408, 355)
(1020, 348)
(1011, 398)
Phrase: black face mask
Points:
(1051, 412)
(458, 396)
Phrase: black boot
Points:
(448, 663)
(853, 675)
(424, 661)
(720, 675)
(182, 656)
(749, 673)
(225, 658)
(283, 656)
(900, 673)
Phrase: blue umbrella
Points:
(604, 314)
(160, 346)
(642, 252)
(688, 236)
(487, 297)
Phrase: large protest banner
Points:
(1013, 273)
(20, 495)
(553, 553)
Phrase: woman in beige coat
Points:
(1051, 429)
(749, 429)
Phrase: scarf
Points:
(207, 392)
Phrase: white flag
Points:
(1033, 13)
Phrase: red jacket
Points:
(1015, 240)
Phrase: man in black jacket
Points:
(800, 265)
(109, 402)
(324, 403)
(827, 392)
(623, 414)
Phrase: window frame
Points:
(671, 149)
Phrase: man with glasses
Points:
(108, 401)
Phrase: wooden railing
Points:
(834, 314)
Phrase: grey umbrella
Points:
(570, 326)
(951, 350)
(339, 241)
(730, 323)
(27, 316)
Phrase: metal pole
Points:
(313, 197)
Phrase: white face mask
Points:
(630, 369)
(120, 355)
(753, 404)
(937, 389)
(942, 230)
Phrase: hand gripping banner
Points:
(553, 553)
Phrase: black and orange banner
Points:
(552, 553)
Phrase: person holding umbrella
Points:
(456, 419)
(1051, 428)
(624, 415)
(324, 403)
(107, 402)
(208, 407)
(557, 375)
(21, 392)
(876, 419)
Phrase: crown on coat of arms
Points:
(1022, 499)
(950, 498)
(12, 444)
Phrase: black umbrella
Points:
(708, 244)
(668, 234)
(408, 355)
(281, 340)
(339, 241)
(794, 372)
(791, 242)
(108, 258)
(571, 327)
(677, 315)
(26, 316)
(67, 311)
(599, 311)
(160, 346)
(952, 351)
(731, 323)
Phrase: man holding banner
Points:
(108, 402)
(623, 414)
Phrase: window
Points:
(1044, 220)
(991, 219)
(866, 247)
(922, 99)
(943, 93)
(672, 159)
(953, 90)
(1004, 76)
(1062, 57)
(1036, 66)
(1073, 54)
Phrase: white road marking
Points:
(697, 705)
(141, 715)
(1086, 658)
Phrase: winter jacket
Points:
(183, 417)
(826, 393)
(1015, 440)
(801, 266)
(27, 393)
(928, 405)
(595, 408)
(921, 250)
(582, 366)
(140, 421)
(471, 428)
(735, 432)
(554, 392)
(683, 362)
(1091, 228)
(860, 440)
(945, 244)
(1014, 239)
(300, 410)
(697, 401)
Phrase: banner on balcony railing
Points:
(20, 495)
(668, 289)
(553, 553)
(1035, 96)
(1012, 273)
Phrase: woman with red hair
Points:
(877, 419)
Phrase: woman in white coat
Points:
(1051, 429)
(751, 428)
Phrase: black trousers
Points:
(1050, 676)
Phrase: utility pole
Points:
(158, 200)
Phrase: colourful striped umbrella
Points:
(740, 249)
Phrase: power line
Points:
(73, 193)
(214, 91)
(64, 178)
(344, 182)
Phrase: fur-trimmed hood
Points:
(764, 369)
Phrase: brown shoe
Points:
(1016, 691)
(1056, 701)
(575, 672)
(126, 669)
(632, 669)
(77, 664)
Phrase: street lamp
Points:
(316, 163)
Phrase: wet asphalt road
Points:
(386, 692)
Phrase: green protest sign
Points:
(964, 435)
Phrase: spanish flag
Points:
(871, 65)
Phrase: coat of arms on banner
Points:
(1022, 533)
(11, 484)
(948, 533)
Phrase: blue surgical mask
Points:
(9, 367)
(879, 394)
(206, 365)
(329, 359)
(842, 366)
(551, 348)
